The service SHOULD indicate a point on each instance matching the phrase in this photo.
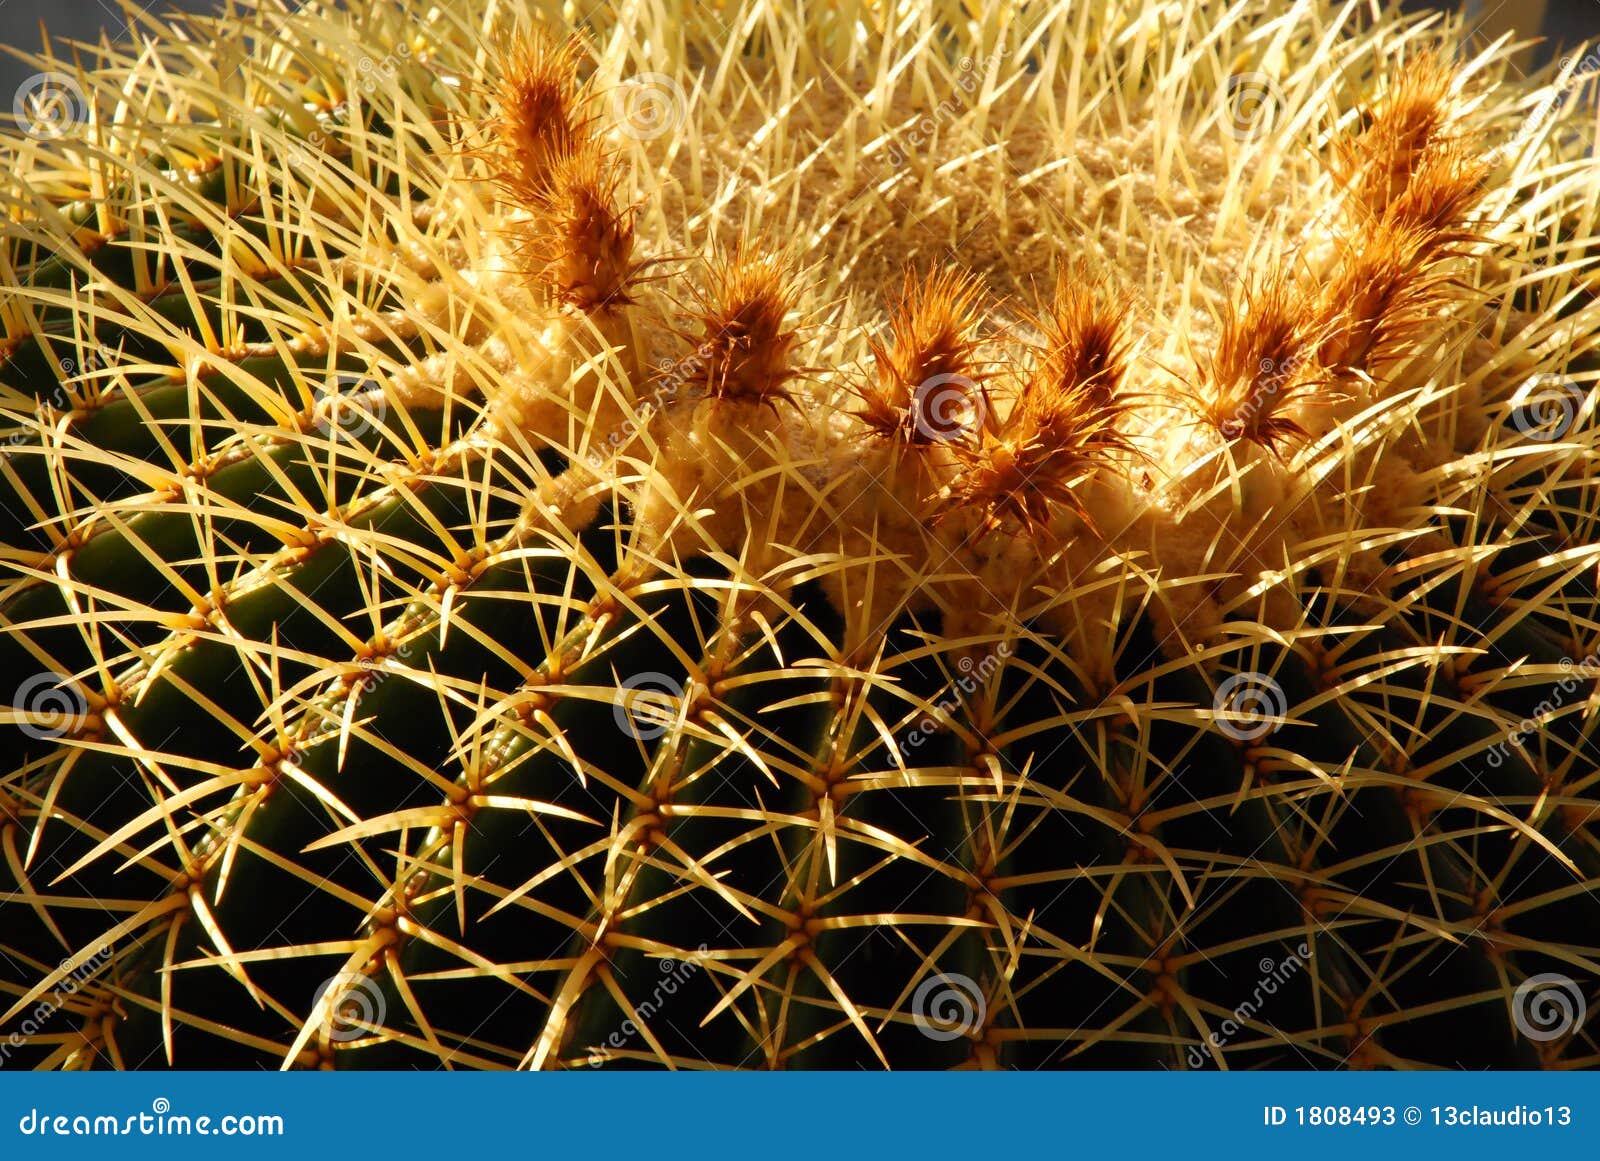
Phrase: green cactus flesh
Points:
(498, 572)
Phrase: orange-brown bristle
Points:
(1442, 193)
(1035, 463)
(580, 243)
(542, 116)
(1387, 287)
(1412, 121)
(1413, 215)
(1264, 366)
(745, 349)
(930, 364)
(1059, 434)
(1086, 340)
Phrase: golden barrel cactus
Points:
(893, 534)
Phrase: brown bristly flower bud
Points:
(928, 385)
(580, 243)
(1412, 121)
(1418, 186)
(746, 345)
(1264, 368)
(1067, 423)
(1086, 338)
(1386, 289)
(1393, 276)
(1036, 460)
(1442, 194)
(543, 114)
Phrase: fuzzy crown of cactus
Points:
(887, 534)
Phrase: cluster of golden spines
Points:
(931, 388)
(1290, 340)
(1394, 273)
(549, 161)
(544, 113)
